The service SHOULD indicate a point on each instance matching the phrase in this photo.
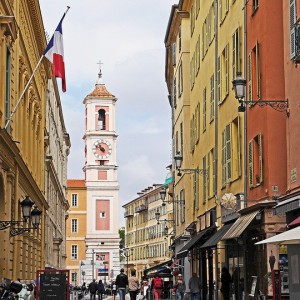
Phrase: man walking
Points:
(93, 289)
(122, 283)
(195, 287)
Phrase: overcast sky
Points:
(128, 37)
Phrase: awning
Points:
(190, 244)
(213, 241)
(240, 225)
(287, 205)
(296, 222)
(289, 237)
(159, 266)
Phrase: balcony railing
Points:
(128, 214)
(141, 208)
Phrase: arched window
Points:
(101, 119)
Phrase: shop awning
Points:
(159, 266)
(191, 243)
(213, 241)
(240, 225)
(296, 222)
(289, 237)
(287, 205)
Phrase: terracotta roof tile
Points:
(75, 183)
(100, 91)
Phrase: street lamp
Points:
(178, 162)
(163, 197)
(127, 253)
(239, 86)
(28, 213)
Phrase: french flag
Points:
(55, 54)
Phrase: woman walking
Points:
(133, 285)
(180, 287)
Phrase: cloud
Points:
(128, 37)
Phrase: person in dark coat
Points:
(100, 289)
(226, 281)
(122, 284)
(93, 289)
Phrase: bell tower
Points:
(102, 218)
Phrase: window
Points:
(181, 137)
(173, 49)
(256, 71)
(182, 206)
(250, 96)
(102, 215)
(255, 161)
(236, 54)
(74, 252)
(225, 73)
(192, 19)
(180, 80)
(196, 190)
(212, 97)
(101, 119)
(197, 124)
(254, 5)
(192, 133)
(74, 225)
(198, 55)
(74, 277)
(226, 155)
(231, 152)
(204, 109)
(179, 39)
(174, 93)
(74, 199)
(7, 86)
(219, 81)
(176, 143)
(197, 8)
(204, 188)
(293, 19)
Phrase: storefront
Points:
(242, 257)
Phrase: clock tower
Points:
(102, 186)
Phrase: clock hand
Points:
(102, 149)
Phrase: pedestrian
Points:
(195, 287)
(122, 284)
(157, 285)
(114, 289)
(226, 281)
(180, 287)
(100, 289)
(133, 285)
(83, 288)
(93, 289)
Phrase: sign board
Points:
(53, 286)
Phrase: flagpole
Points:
(27, 85)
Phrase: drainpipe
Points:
(216, 287)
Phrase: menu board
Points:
(53, 286)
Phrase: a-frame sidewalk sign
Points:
(52, 284)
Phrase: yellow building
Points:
(76, 231)
(211, 147)
(24, 146)
(147, 234)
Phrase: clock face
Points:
(102, 149)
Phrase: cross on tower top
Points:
(100, 71)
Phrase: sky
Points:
(127, 36)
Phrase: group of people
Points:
(123, 283)
(95, 288)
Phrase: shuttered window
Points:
(226, 155)
(293, 19)
(204, 109)
(250, 164)
(212, 97)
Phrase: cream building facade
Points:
(22, 142)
